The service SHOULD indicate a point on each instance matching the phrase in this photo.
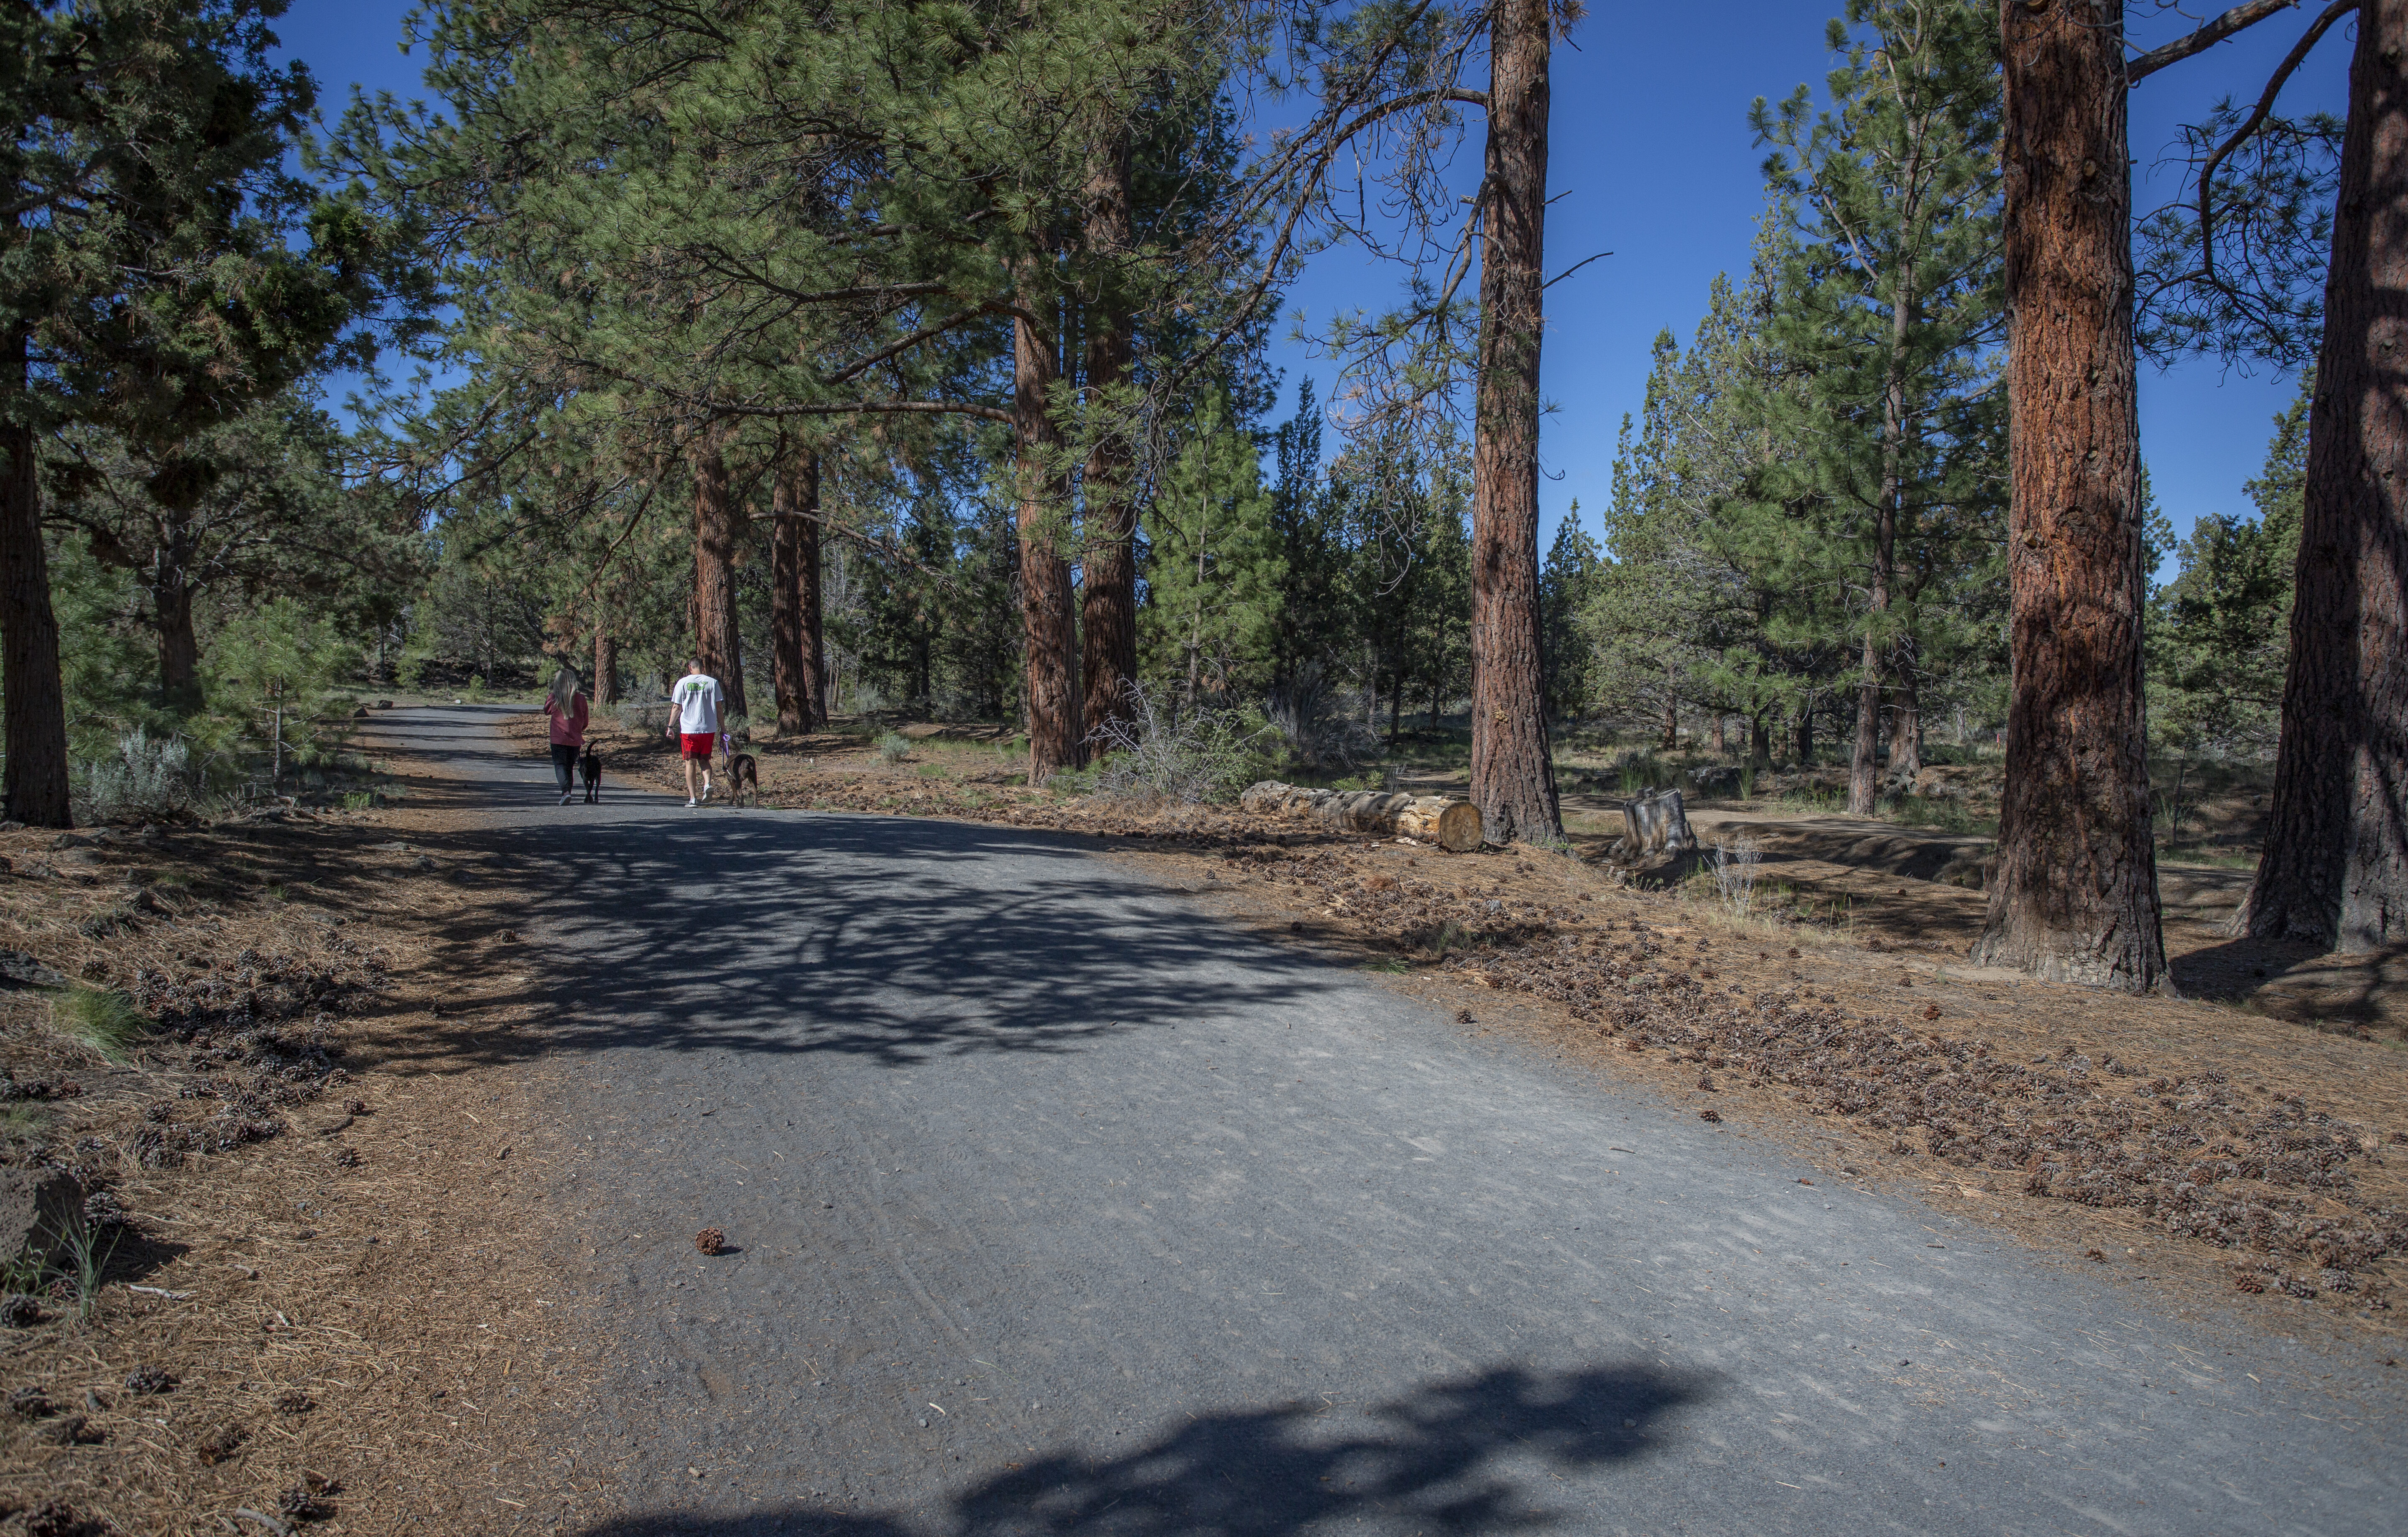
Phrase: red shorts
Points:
(698, 745)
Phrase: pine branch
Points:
(2204, 38)
(2256, 119)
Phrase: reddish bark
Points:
(33, 705)
(2076, 897)
(1513, 771)
(1050, 659)
(716, 641)
(796, 634)
(1108, 593)
(2335, 868)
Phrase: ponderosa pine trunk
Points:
(33, 713)
(716, 640)
(1805, 733)
(1108, 592)
(179, 645)
(795, 632)
(2335, 867)
(1050, 654)
(1905, 716)
(2075, 896)
(1513, 771)
(606, 669)
(1759, 738)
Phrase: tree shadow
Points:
(1439, 1459)
(893, 938)
(2301, 982)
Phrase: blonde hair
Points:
(564, 691)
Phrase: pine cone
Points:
(711, 1241)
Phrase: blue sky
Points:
(1652, 159)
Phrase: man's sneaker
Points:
(706, 789)
(691, 803)
(563, 798)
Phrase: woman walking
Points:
(568, 711)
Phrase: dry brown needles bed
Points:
(329, 1298)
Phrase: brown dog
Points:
(742, 770)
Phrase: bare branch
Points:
(2204, 38)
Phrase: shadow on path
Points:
(892, 939)
(1437, 1461)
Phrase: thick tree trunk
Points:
(1721, 735)
(1108, 594)
(1050, 664)
(606, 669)
(1805, 733)
(33, 713)
(1760, 737)
(179, 647)
(2335, 868)
(1513, 773)
(1671, 712)
(795, 633)
(717, 641)
(2075, 896)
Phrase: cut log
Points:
(1654, 824)
(1452, 825)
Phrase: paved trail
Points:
(1064, 1209)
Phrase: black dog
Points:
(589, 768)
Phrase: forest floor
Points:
(321, 1292)
(2242, 1147)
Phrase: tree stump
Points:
(1454, 825)
(1654, 822)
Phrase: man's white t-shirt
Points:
(697, 698)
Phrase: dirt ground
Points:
(328, 1290)
(2240, 1151)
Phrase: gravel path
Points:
(1058, 1207)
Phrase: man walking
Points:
(694, 720)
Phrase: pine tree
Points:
(1566, 586)
(2219, 632)
(2335, 865)
(153, 277)
(1889, 306)
(2075, 896)
(1212, 571)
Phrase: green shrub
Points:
(893, 748)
